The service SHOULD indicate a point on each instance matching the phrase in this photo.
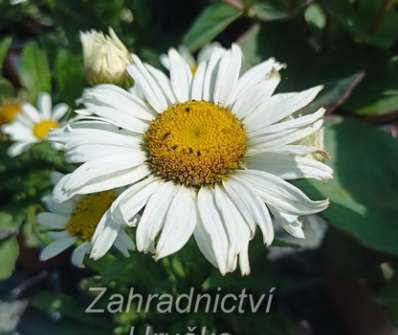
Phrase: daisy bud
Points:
(105, 58)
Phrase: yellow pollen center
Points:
(8, 112)
(195, 143)
(41, 129)
(88, 213)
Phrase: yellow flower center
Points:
(88, 213)
(41, 129)
(195, 143)
(8, 112)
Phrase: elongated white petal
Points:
(64, 208)
(154, 215)
(279, 107)
(102, 242)
(290, 223)
(164, 83)
(56, 247)
(79, 253)
(289, 166)
(180, 76)
(179, 224)
(227, 75)
(255, 207)
(279, 193)
(198, 82)
(212, 224)
(147, 85)
(16, 149)
(210, 75)
(59, 111)
(132, 200)
(44, 104)
(52, 220)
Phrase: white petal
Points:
(16, 149)
(210, 75)
(289, 167)
(290, 223)
(59, 111)
(257, 211)
(180, 76)
(255, 75)
(198, 82)
(253, 97)
(30, 112)
(154, 216)
(203, 240)
(279, 107)
(133, 199)
(56, 247)
(147, 85)
(227, 75)
(99, 184)
(179, 224)
(163, 82)
(44, 104)
(212, 224)
(64, 208)
(126, 104)
(79, 253)
(279, 193)
(102, 242)
(52, 220)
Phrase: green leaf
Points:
(35, 71)
(211, 22)
(335, 93)
(370, 21)
(6, 88)
(69, 75)
(5, 44)
(8, 226)
(364, 191)
(9, 252)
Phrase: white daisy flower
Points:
(203, 55)
(33, 125)
(73, 223)
(206, 155)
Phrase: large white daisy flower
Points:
(205, 155)
(33, 125)
(74, 222)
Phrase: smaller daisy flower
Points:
(9, 110)
(203, 56)
(74, 223)
(105, 58)
(33, 125)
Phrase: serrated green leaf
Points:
(5, 44)
(35, 71)
(211, 22)
(9, 252)
(364, 191)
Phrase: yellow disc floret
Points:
(88, 213)
(8, 112)
(41, 129)
(195, 143)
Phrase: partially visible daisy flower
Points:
(73, 223)
(33, 125)
(203, 55)
(9, 109)
(105, 58)
(207, 155)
